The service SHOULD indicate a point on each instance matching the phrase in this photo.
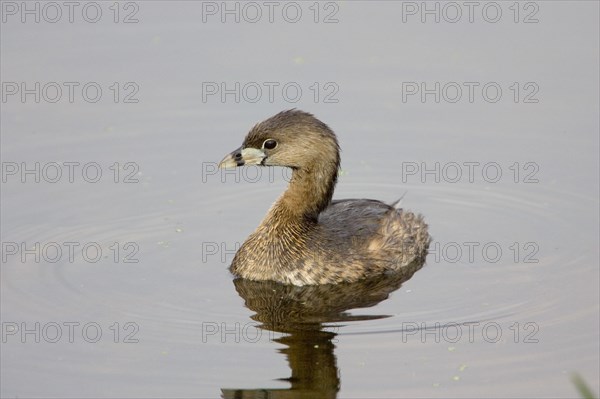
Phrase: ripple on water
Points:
(172, 291)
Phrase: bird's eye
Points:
(270, 144)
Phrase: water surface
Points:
(506, 304)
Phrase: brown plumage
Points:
(306, 238)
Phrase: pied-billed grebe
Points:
(306, 238)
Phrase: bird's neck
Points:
(309, 192)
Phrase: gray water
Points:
(116, 285)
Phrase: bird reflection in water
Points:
(308, 316)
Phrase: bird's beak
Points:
(243, 156)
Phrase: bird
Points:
(306, 238)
